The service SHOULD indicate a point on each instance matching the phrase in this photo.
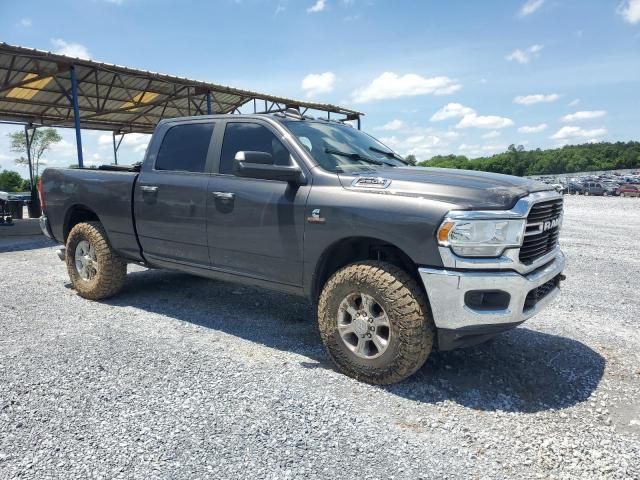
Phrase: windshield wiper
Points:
(355, 156)
(389, 154)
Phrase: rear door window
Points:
(184, 148)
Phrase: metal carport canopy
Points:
(37, 88)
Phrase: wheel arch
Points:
(353, 249)
(76, 214)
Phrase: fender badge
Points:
(315, 217)
(371, 182)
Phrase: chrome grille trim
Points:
(542, 230)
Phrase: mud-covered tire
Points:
(404, 303)
(110, 271)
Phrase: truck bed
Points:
(109, 194)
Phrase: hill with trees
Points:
(568, 159)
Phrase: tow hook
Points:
(61, 252)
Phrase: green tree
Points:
(11, 181)
(411, 159)
(41, 140)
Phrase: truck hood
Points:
(467, 189)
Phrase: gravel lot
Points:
(181, 377)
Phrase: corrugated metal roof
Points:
(35, 86)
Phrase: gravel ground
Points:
(212, 380)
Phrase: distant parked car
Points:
(610, 189)
(629, 191)
(592, 188)
(573, 188)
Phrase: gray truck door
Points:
(255, 226)
(170, 197)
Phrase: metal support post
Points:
(76, 114)
(29, 159)
(116, 146)
(209, 102)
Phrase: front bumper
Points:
(457, 323)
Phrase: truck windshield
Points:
(339, 148)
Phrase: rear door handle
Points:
(224, 196)
(149, 189)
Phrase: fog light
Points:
(487, 300)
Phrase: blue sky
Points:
(433, 77)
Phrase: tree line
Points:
(568, 159)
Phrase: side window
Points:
(250, 137)
(184, 148)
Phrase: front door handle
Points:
(224, 196)
(149, 189)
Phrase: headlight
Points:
(481, 238)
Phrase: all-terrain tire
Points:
(110, 271)
(405, 304)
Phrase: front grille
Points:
(538, 241)
(538, 293)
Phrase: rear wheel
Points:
(375, 322)
(95, 270)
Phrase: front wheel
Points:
(375, 322)
(95, 270)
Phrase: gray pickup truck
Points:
(399, 260)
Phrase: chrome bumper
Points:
(447, 288)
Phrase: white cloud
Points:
(393, 125)
(450, 134)
(419, 141)
(451, 110)
(25, 22)
(494, 147)
(422, 146)
(415, 139)
(533, 129)
(64, 148)
(470, 118)
(491, 134)
(392, 141)
(481, 149)
(529, 7)
(583, 115)
(70, 49)
(319, 6)
(576, 132)
(537, 98)
(136, 142)
(630, 11)
(316, 83)
(484, 121)
(524, 56)
(391, 85)
(574, 102)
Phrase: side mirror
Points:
(262, 158)
(260, 165)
